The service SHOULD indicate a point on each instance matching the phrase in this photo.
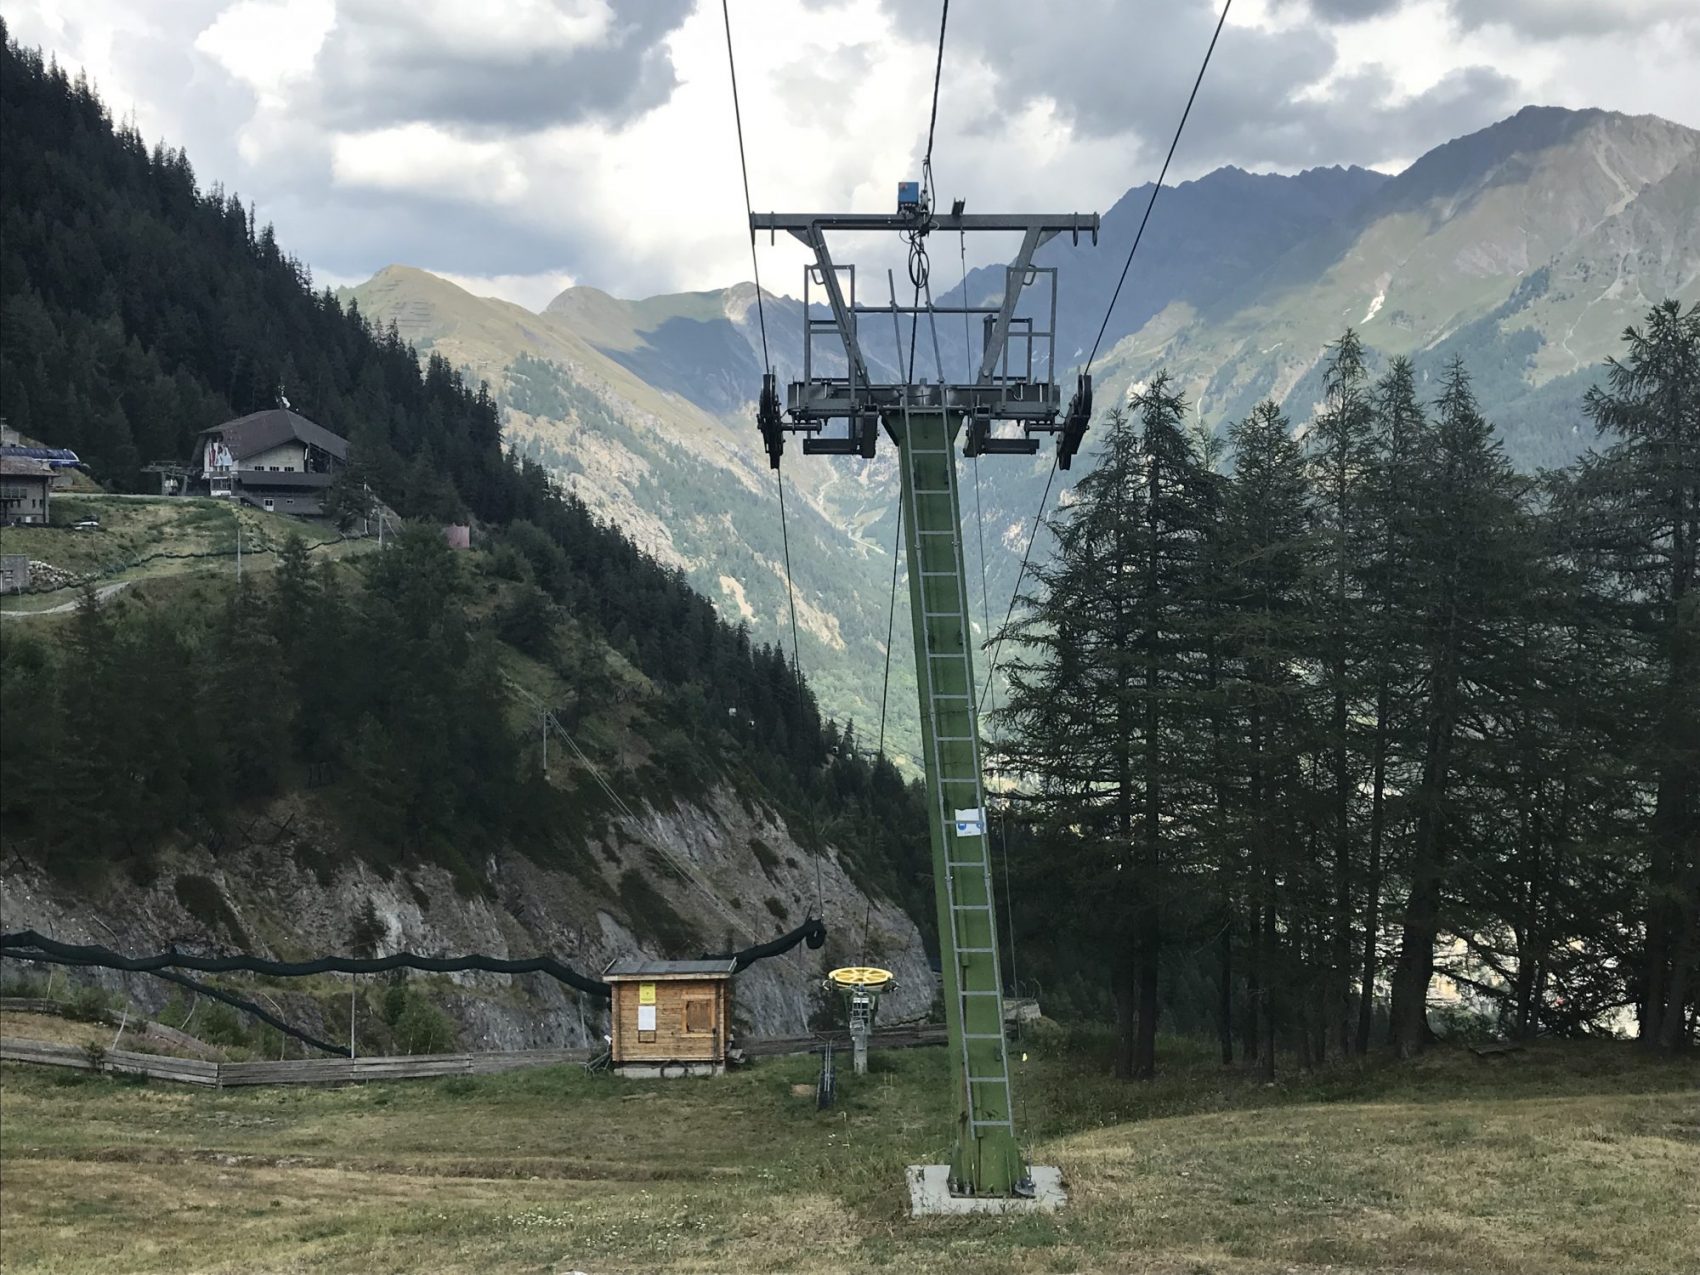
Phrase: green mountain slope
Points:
(138, 309)
(686, 482)
(1525, 248)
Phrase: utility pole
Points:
(926, 421)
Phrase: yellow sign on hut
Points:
(670, 1018)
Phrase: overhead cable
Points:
(933, 118)
(744, 169)
(1149, 203)
(1038, 516)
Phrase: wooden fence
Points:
(342, 1071)
(127, 1023)
(189, 1071)
(299, 1071)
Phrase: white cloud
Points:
(506, 26)
(520, 143)
(533, 291)
(422, 159)
(268, 42)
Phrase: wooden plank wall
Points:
(672, 1042)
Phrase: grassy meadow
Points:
(144, 539)
(1551, 1161)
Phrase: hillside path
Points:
(102, 594)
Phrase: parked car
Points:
(86, 524)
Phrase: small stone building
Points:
(670, 1018)
(14, 573)
(24, 486)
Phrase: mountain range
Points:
(1524, 248)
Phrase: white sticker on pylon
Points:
(971, 822)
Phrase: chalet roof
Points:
(24, 467)
(282, 478)
(58, 457)
(261, 431)
(628, 967)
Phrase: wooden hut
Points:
(670, 1018)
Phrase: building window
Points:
(699, 1016)
(268, 504)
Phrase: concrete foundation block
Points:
(929, 1194)
(668, 1070)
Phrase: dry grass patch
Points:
(55, 1030)
(1532, 1186)
(1565, 1161)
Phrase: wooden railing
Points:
(342, 1071)
(299, 1071)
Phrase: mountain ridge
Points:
(1242, 280)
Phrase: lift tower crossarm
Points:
(801, 224)
(1036, 230)
(986, 398)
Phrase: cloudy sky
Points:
(517, 146)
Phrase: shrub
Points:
(87, 1004)
(23, 986)
(220, 1025)
(395, 999)
(422, 1028)
(368, 930)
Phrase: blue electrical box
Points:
(908, 197)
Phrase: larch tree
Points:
(1339, 442)
(1646, 489)
(1101, 729)
(1471, 564)
(1396, 447)
(1268, 546)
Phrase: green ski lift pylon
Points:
(925, 421)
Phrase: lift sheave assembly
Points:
(1013, 382)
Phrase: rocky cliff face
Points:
(735, 876)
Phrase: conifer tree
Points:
(1102, 725)
(1339, 447)
(1396, 448)
(1471, 562)
(1269, 545)
(1645, 490)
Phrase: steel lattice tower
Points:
(926, 421)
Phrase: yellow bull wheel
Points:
(865, 978)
